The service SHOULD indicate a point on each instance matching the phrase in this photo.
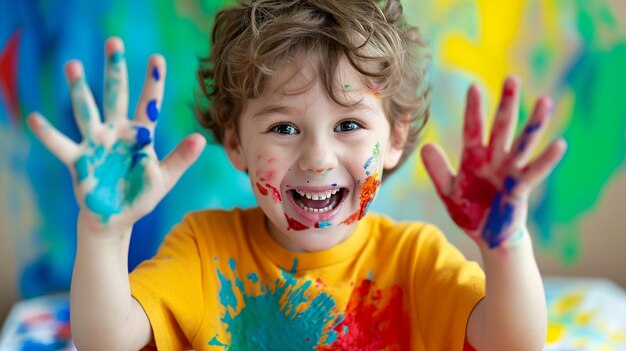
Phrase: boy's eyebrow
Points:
(269, 109)
(281, 109)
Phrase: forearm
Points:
(103, 312)
(513, 315)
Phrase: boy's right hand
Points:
(117, 176)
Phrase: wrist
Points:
(89, 225)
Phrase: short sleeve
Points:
(168, 287)
(448, 287)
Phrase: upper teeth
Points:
(317, 195)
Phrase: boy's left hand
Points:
(488, 197)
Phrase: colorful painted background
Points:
(572, 50)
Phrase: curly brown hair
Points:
(250, 42)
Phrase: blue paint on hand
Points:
(143, 137)
(496, 231)
(116, 57)
(155, 74)
(152, 110)
(527, 132)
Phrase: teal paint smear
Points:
(596, 143)
(82, 168)
(272, 320)
(119, 176)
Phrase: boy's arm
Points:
(117, 180)
(488, 199)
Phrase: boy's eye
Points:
(284, 128)
(348, 126)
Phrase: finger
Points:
(505, 121)
(61, 146)
(473, 127)
(115, 82)
(527, 141)
(152, 94)
(85, 109)
(185, 154)
(541, 167)
(438, 168)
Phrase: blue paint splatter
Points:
(155, 74)
(285, 317)
(333, 184)
(367, 163)
(527, 132)
(152, 110)
(116, 57)
(143, 137)
(119, 176)
(323, 224)
(500, 216)
(82, 168)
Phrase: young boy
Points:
(315, 100)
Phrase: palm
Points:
(488, 196)
(117, 176)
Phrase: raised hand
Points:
(117, 175)
(488, 197)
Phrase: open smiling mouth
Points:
(318, 202)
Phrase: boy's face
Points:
(315, 166)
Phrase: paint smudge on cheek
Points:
(262, 190)
(275, 193)
(294, 224)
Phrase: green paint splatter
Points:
(596, 144)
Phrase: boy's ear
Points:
(233, 148)
(397, 140)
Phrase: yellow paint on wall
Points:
(555, 333)
(488, 54)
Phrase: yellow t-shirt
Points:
(221, 282)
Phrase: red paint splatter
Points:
(353, 218)
(264, 175)
(275, 193)
(295, 225)
(468, 208)
(8, 74)
(320, 282)
(261, 189)
(368, 191)
(372, 322)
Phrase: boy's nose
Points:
(318, 159)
